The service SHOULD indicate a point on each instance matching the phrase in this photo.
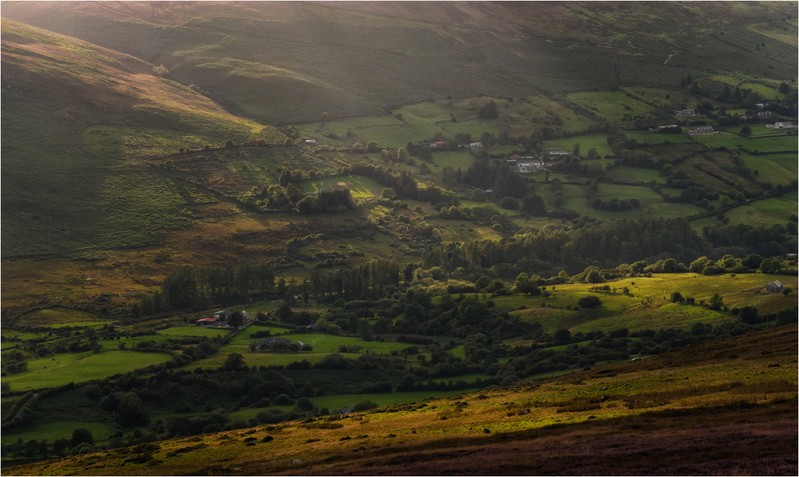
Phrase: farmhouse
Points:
(559, 153)
(206, 321)
(475, 145)
(438, 145)
(666, 128)
(684, 113)
(763, 114)
(781, 125)
(529, 167)
(775, 287)
(702, 130)
(221, 315)
(310, 142)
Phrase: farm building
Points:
(531, 166)
(684, 113)
(206, 321)
(763, 114)
(702, 130)
(438, 145)
(667, 128)
(475, 145)
(781, 125)
(559, 153)
(774, 287)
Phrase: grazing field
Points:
(614, 106)
(648, 304)
(196, 331)
(766, 212)
(61, 369)
(636, 174)
(57, 317)
(58, 430)
(649, 137)
(586, 142)
(773, 168)
(361, 188)
(323, 345)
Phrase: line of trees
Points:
(197, 288)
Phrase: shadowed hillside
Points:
(285, 62)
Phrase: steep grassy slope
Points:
(289, 62)
(75, 119)
(727, 406)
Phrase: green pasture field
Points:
(419, 122)
(260, 359)
(57, 317)
(453, 159)
(651, 203)
(323, 345)
(637, 174)
(193, 331)
(544, 111)
(773, 168)
(613, 105)
(649, 304)
(733, 141)
(473, 203)
(649, 137)
(662, 98)
(51, 431)
(461, 230)
(773, 144)
(766, 212)
(80, 367)
(597, 141)
(760, 130)
(361, 188)
(247, 332)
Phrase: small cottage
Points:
(775, 287)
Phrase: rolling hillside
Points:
(289, 62)
(76, 120)
(726, 407)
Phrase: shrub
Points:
(590, 301)
(364, 406)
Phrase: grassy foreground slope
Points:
(727, 406)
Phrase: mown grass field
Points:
(766, 212)
(725, 378)
(773, 168)
(61, 369)
(648, 305)
(323, 345)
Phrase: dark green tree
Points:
(234, 362)
(79, 436)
